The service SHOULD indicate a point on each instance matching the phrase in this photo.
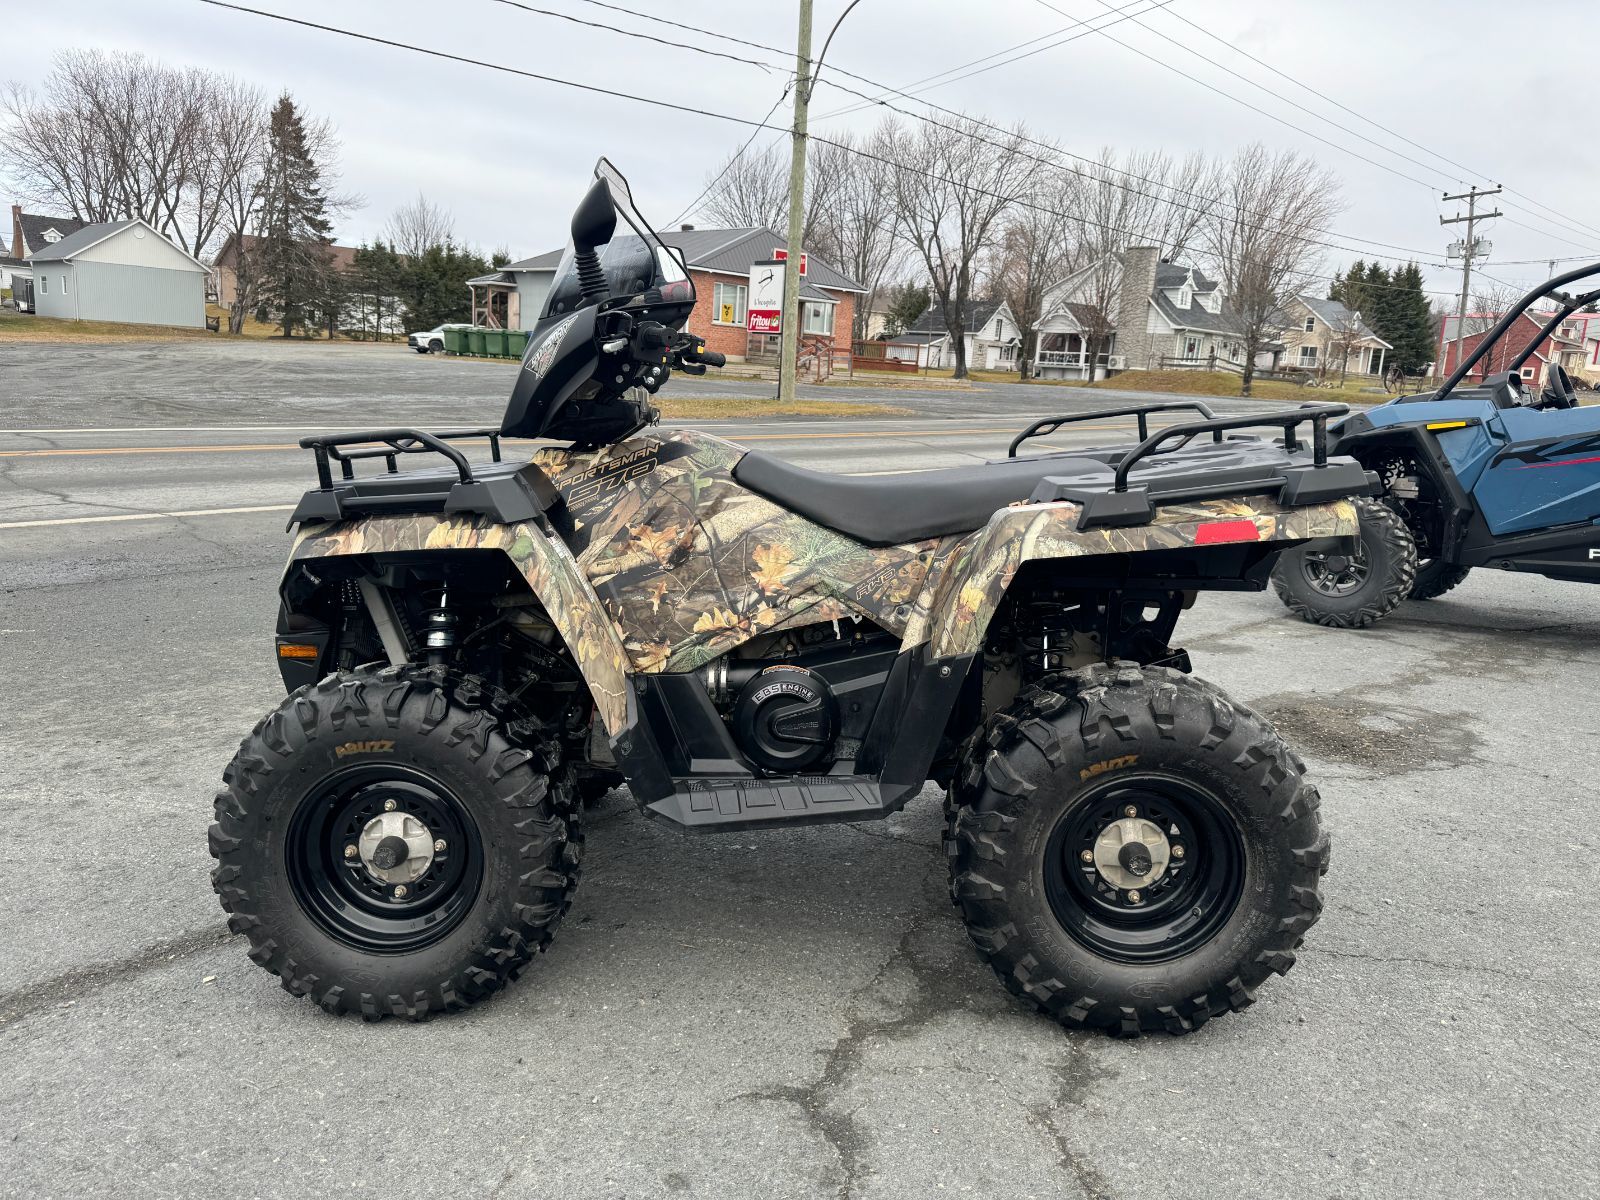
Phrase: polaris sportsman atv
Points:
(1487, 475)
(749, 644)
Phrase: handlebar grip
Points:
(712, 359)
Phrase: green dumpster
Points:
(516, 342)
(494, 343)
(475, 341)
(455, 341)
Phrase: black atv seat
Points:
(887, 510)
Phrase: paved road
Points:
(783, 1014)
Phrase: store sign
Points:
(764, 314)
(781, 254)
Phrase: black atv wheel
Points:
(1353, 589)
(1435, 577)
(389, 849)
(1132, 852)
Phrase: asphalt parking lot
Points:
(782, 1014)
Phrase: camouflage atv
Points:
(748, 644)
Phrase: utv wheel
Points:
(389, 849)
(1132, 852)
(1351, 590)
(1435, 577)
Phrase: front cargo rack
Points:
(506, 492)
(1296, 483)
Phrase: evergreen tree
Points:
(907, 302)
(377, 285)
(433, 285)
(294, 261)
(1410, 326)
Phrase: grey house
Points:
(120, 271)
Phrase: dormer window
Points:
(1185, 298)
(50, 236)
(1211, 302)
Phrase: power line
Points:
(1572, 222)
(1411, 252)
(547, 12)
(758, 125)
(737, 155)
(1082, 25)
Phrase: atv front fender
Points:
(552, 574)
(961, 596)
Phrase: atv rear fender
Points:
(542, 561)
(962, 595)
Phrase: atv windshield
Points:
(639, 267)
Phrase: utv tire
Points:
(490, 827)
(1041, 786)
(1351, 591)
(1435, 577)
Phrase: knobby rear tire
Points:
(1030, 768)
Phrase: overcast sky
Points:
(508, 156)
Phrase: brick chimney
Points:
(1133, 310)
(16, 231)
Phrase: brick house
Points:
(719, 262)
(224, 283)
(1521, 334)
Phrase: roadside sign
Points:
(764, 312)
(781, 254)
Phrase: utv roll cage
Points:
(1569, 304)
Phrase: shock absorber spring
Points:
(439, 629)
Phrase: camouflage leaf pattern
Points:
(544, 562)
(964, 593)
(668, 562)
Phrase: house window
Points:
(1311, 324)
(728, 302)
(1308, 356)
(63, 285)
(44, 285)
(1008, 354)
(51, 236)
(997, 328)
(1191, 347)
(1184, 297)
(818, 318)
(1527, 372)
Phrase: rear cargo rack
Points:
(1133, 504)
(501, 491)
(1049, 425)
(395, 442)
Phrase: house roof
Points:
(342, 257)
(92, 235)
(975, 315)
(1173, 275)
(35, 226)
(909, 338)
(731, 251)
(1335, 314)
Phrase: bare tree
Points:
(952, 185)
(851, 228)
(1260, 239)
(1031, 255)
(749, 190)
(419, 225)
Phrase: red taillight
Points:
(1213, 533)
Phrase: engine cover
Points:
(785, 718)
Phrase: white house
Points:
(1324, 335)
(119, 271)
(990, 333)
(1073, 328)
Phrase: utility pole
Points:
(789, 331)
(1469, 247)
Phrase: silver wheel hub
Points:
(1132, 853)
(395, 847)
